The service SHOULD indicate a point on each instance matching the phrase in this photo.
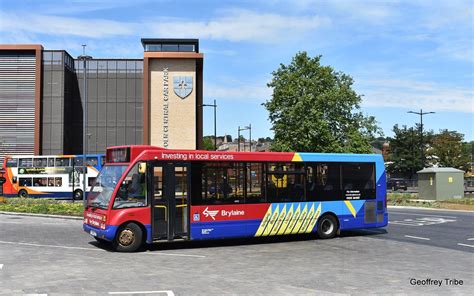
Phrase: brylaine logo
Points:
(208, 213)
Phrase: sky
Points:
(403, 55)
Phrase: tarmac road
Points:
(415, 254)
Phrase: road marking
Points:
(5, 222)
(471, 238)
(94, 249)
(50, 246)
(174, 254)
(1, 266)
(167, 292)
(424, 215)
(466, 245)
(422, 221)
(417, 237)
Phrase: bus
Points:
(147, 194)
(52, 176)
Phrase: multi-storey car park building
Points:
(155, 100)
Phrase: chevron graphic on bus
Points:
(208, 213)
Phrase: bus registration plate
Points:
(93, 233)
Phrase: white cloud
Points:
(242, 25)
(234, 25)
(58, 25)
(416, 94)
(238, 91)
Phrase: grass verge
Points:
(411, 199)
(42, 206)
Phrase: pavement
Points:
(415, 254)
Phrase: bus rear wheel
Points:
(77, 195)
(23, 193)
(327, 226)
(129, 238)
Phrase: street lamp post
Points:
(84, 58)
(215, 121)
(249, 127)
(421, 113)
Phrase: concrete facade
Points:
(174, 118)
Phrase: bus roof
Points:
(144, 152)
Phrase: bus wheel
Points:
(129, 238)
(327, 226)
(23, 193)
(77, 194)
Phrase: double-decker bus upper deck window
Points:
(40, 162)
(62, 162)
(78, 161)
(25, 162)
(12, 162)
(92, 161)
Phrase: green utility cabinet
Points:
(440, 183)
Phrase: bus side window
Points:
(51, 181)
(102, 160)
(51, 162)
(58, 181)
(91, 161)
(25, 182)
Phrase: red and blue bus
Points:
(148, 194)
(52, 176)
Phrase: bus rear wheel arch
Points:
(77, 195)
(23, 193)
(129, 238)
(328, 226)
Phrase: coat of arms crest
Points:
(183, 86)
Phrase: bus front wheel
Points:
(327, 226)
(23, 193)
(129, 238)
(77, 195)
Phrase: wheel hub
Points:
(126, 237)
(327, 227)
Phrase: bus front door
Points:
(170, 202)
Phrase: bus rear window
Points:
(12, 163)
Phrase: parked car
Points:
(397, 184)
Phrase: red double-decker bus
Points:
(148, 194)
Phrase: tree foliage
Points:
(314, 108)
(207, 143)
(447, 150)
(405, 152)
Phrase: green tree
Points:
(207, 143)
(405, 152)
(447, 149)
(314, 108)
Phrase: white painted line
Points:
(425, 215)
(417, 237)
(97, 249)
(167, 292)
(471, 238)
(466, 245)
(36, 294)
(9, 222)
(1, 266)
(174, 254)
(50, 246)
